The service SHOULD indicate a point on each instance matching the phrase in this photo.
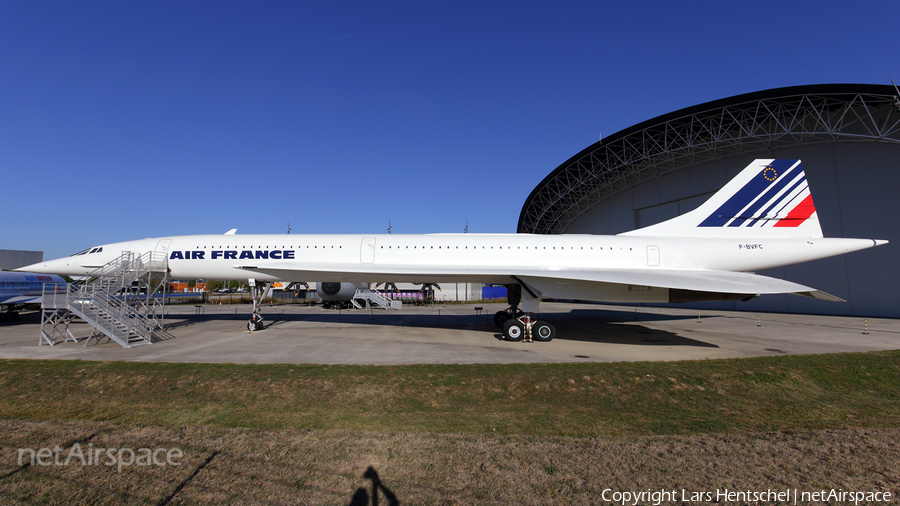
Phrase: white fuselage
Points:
(763, 218)
(487, 258)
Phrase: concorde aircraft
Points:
(763, 218)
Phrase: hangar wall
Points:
(855, 190)
(13, 259)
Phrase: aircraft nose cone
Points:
(40, 268)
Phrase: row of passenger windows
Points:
(20, 284)
(508, 247)
(100, 249)
(423, 247)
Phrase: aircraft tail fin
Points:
(769, 198)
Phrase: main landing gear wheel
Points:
(501, 317)
(514, 296)
(543, 331)
(513, 330)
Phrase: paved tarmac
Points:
(455, 334)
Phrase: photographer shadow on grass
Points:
(361, 496)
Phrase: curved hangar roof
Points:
(761, 121)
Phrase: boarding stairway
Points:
(120, 301)
(373, 296)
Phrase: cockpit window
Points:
(95, 249)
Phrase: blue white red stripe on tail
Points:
(776, 196)
(769, 198)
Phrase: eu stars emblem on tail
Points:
(773, 195)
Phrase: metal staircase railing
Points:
(129, 268)
(118, 302)
(111, 315)
(371, 295)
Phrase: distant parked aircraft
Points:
(20, 288)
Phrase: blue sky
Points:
(124, 120)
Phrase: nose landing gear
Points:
(256, 294)
(255, 323)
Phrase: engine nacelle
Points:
(338, 291)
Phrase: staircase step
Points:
(102, 304)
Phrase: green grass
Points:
(583, 399)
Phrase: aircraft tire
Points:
(513, 330)
(500, 318)
(543, 331)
